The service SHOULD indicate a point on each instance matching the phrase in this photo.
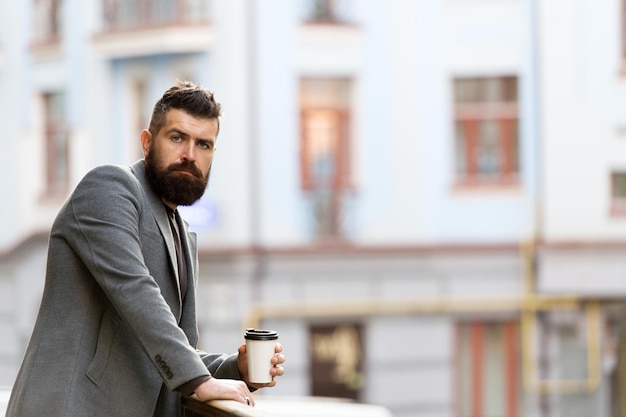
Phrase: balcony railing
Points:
(219, 408)
(142, 14)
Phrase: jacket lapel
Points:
(160, 215)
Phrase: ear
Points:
(146, 141)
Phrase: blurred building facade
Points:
(427, 199)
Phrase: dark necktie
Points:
(180, 258)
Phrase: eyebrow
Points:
(183, 133)
(176, 130)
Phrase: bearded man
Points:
(116, 332)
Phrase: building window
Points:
(618, 193)
(48, 21)
(324, 150)
(326, 11)
(486, 131)
(57, 143)
(139, 14)
(487, 369)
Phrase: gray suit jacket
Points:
(112, 329)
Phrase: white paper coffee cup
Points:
(260, 347)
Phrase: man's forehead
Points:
(182, 119)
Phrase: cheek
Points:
(205, 164)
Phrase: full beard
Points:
(173, 185)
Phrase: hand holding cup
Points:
(260, 358)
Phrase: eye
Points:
(176, 139)
(205, 145)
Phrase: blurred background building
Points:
(426, 199)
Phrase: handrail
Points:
(219, 408)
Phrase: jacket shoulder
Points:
(109, 176)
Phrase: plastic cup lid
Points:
(256, 334)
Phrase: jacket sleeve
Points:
(104, 230)
(221, 365)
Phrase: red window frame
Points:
(325, 134)
(340, 159)
(472, 113)
(510, 369)
(327, 189)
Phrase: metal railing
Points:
(141, 14)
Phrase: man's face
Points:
(179, 158)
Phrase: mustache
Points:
(186, 166)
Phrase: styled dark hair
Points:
(189, 97)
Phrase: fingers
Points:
(224, 389)
(248, 400)
(277, 359)
(277, 371)
(244, 395)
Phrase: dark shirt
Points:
(180, 257)
(187, 388)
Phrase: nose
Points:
(189, 152)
